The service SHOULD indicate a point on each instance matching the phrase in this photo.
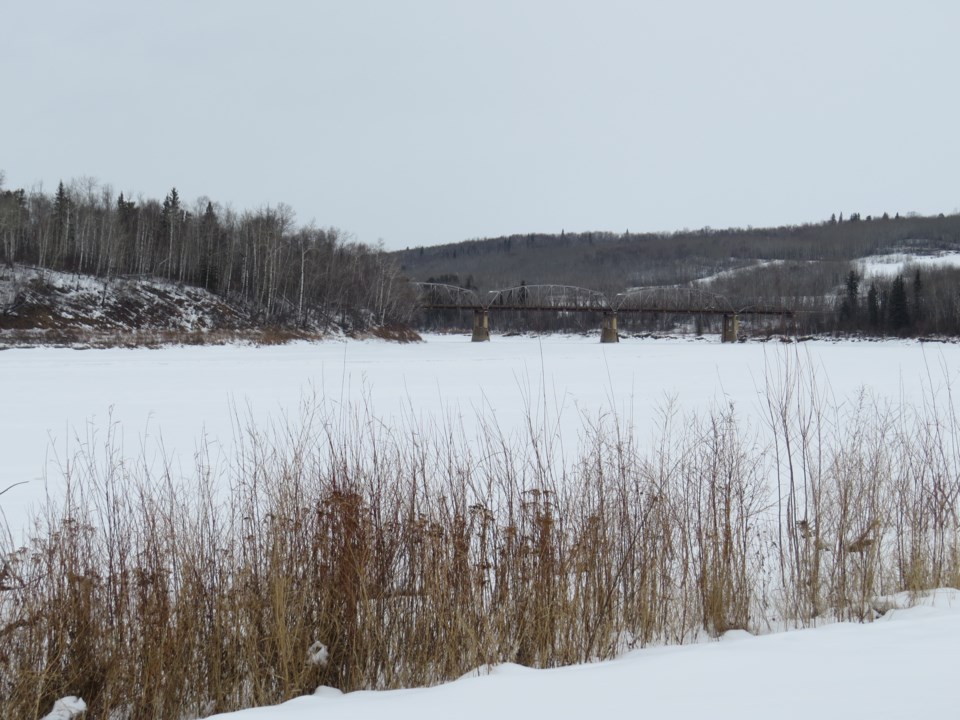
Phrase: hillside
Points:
(50, 307)
(260, 271)
(804, 268)
(47, 307)
(605, 260)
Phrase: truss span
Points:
(440, 296)
(549, 297)
(671, 299)
(763, 306)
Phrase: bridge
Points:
(666, 300)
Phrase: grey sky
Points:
(437, 121)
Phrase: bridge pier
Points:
(481, 326)
(608, 330)
(731, 328)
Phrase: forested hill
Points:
(266, 268)
(615, 261)
(827, 272)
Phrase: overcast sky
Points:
(437, 121)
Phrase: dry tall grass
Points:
(335, 550)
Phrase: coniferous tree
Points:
(170, 228)
(13, 213)
(209, 236)
(917, 298)
(873, 307)
(850, 305)
(63, 230)
(127, 228)
(899, 313)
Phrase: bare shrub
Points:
(338, 550)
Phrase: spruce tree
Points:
(209, 234)
(873, 307)
(917, 297)
(899, 311)
(63, 229)
(850, 305)
(170, 228)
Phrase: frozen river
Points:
(53, 400)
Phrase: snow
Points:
(47, 300)
(733, 272)
(889, 266)
(66, 708)
(901, 666)
(168, 401)
(318, 654)
(874, 266)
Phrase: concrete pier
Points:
(481, 326)
(608, 331)
(731, 328)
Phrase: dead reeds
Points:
(337, 550)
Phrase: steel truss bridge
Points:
(667, 300)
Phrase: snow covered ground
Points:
(874, 266)
(889, 266)
(169, 401)
(54, 400)
(901, 666)
(37, 304)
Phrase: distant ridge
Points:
(821, 270)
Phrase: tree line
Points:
(283, 274)
(261, 260)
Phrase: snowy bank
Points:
(901, 666)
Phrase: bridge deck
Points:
(665, 300)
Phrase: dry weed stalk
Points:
(336, 550)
